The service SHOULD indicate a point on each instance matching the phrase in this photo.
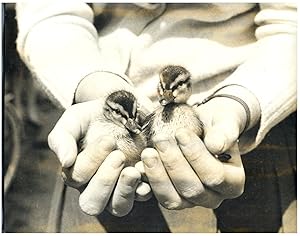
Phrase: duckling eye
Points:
(116, 112)
(180, 83)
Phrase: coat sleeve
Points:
(270, 72)
(59, 43)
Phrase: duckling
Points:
(122, 119)
(174, 89)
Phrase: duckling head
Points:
(121, 108)
(174, 85)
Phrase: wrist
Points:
(247, 97)
(241, 98)
(99, 84)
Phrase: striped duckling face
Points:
(174, 85)
(121, 108)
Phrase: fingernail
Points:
(183, 138)
(140, 167)
(150, 162)
(162, 145)
(132, 181)
(108, 142)
(118, 160)
(149, 157)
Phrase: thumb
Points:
(68, 130)
(64, 145)
(222, 135)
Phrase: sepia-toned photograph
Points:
(149, 117)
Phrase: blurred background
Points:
(29, 167)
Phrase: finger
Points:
(207, 167)
(123, 197)
(234, 174)
(160, 182)
(143, 192)
(210, 170)
(140, 167)
(95, 197)
(182, 175)
(88, 161)
(64, 145)
(69, 128)
(222, 134)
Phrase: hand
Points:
(185, 172)
(97, 171)
(225, 119)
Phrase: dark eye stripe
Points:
(179, 84)
(163, 86)
(134, 114)
(113, 109)
(117, 110)
(123, 116)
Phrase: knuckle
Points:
(238, 188)
(89, 160)
(72, 178)
(107, 142)
(215, 204)
(238, 192)
(126, 192)
(71, 183)
(172, 164)
(171, 205)
(192, 192)
(211, 203)
(77, 177)
(214, 181)
(89, 157)
(193, 153)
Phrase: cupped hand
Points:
(185, 171)
(98, 170)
